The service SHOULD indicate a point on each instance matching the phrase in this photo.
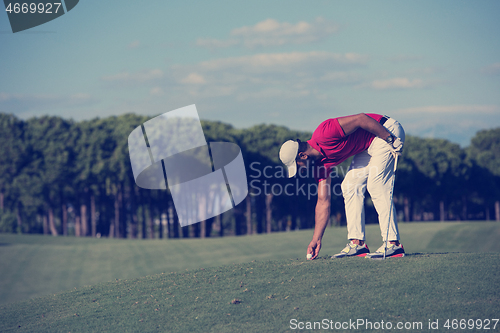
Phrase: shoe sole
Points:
(354, 255)
(399, 255)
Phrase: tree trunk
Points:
(203, 229)
(260, 214)
(64, 219)
(78, 225)
(118, 199)
(143, 213)
(19, 219)
(269, 212)
(160, 223)
(111, 233)
(237, 221)
(216, 225)
(64, 214)
(185, 232)
(249, 214)
(151, 234)
(497, 210)
(45, 225)
(174, 219)
(339, 219)
(133, 227)
(133, 207)
(464, 208)
(406, 208)
(164, 224)
(169, 223)
(83, 220)
(52, 224)
(93, 216)
(123, 214)
(442, 213)
(221, 225)
(192, 230)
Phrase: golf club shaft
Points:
(390, 209)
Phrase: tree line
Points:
(63, 177)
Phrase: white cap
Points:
(288, 154)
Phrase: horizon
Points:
(226, 123)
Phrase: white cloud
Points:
(396, 83)
(271, 32)
(340, 77)
(156, 91)
(194, 78)
(263, 83)
(278, 76)
(293, 74)
(278, 62)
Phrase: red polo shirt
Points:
(330, 140)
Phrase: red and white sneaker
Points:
(352, 250)
(393, 251)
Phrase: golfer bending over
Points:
(373, 140)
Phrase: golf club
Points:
(390, 211)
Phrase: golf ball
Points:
(309, 256)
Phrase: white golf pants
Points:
(372, 170)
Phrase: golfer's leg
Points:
(380, 181)
(353, 190)
(379, 185)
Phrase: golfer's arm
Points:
(351, 123)
(322, 213)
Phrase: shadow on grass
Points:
(426, 254)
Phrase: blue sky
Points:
(433, 65)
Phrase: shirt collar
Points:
(317, 147)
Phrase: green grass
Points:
(34, 265)
(188, 285)
(263, 296)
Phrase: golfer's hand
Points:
(314, 248)
(397, 146)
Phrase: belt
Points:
(383, 120)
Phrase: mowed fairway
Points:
(34, 265)
(191, 285)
